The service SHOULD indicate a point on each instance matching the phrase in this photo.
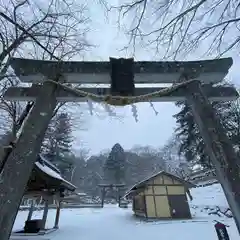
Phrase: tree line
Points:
(127, 166)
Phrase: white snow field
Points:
(113, 223)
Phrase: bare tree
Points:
(56, 30)
(49, 31)
(78, 168)
(175, 163)
(176, 27)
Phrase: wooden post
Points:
(45, 213)
(20, 162)
(57, 215)
(30, 213)
(118, 196)
(218, 146)
(103, 196)
(119, 201)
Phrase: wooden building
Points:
(46, 183)
(161, 196)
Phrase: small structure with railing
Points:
(47, 184)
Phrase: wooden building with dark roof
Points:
(161, 196)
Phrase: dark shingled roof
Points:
(46, 176)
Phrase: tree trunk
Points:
(20, 162)
(72, 173)
(12, 138)
(4, 155)
(218, 146)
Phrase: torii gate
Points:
(106, 186)
(122, 74)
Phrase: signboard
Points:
(221, 231)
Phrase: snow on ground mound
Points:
(210, 199)
(212, 195)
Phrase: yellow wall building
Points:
(161, 196)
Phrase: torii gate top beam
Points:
(86, 72)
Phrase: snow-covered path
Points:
(112, 222)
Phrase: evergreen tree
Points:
(191, 142)
(232, 125)
(114, 167)
(57, 143)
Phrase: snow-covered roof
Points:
(48, 171)
(75, 196)
(48, 163)
(142, 183)
(81, 194)
(206, 183)
(45, 166)
(203, 173)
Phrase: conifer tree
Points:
(114, 167)
(191, 142)
(57, 143)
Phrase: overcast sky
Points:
(151, 129)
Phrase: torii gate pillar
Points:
(218, 146)
(19, 164)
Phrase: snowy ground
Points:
(113, 223)
(209, 196)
